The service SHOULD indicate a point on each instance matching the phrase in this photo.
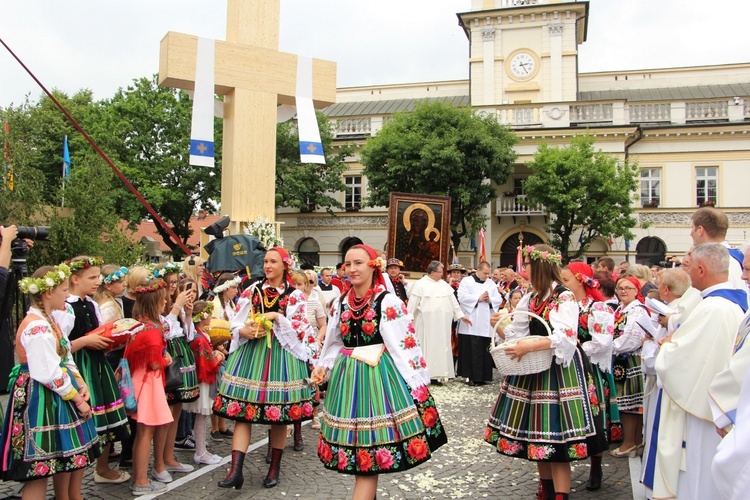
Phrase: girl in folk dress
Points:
(264, 381)
(111, 288)
(545, 417)
(147, 356)
(595, 329)
(626, 365)
(180, 333)
(89, 353)
(379, 416)
(224, 307)
(48, 429)
(207, 361)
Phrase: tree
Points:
(441, 150)
(145, 129)
(308, 185)
(584, 190)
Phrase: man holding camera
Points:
(7, 235)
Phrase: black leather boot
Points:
(268, 448)
(272, 479)
(234, 479)
(595, 476)
(299, 444)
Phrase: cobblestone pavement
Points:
(466, 467)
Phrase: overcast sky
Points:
(104, 45)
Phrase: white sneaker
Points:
(179, 468)
(206, 459)
(163, 476)
(153, 487)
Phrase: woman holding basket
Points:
(545, 417)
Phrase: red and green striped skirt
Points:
(372, 423)
(546, 417)
(42, 434)
(263, 385)
(189, 391)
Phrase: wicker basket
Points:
(532, 362)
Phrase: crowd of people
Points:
(649, 360)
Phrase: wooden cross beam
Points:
(254, 78)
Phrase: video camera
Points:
(19, 249)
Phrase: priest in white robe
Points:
(434, 308)
(725, 389)
(479, 299)
(687, 363)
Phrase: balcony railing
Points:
(515, 205)
(585, 114)
(650, 113)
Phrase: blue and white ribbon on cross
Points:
(202, 124)
(310, 145)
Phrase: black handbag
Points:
(173, 375)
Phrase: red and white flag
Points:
(482, 252)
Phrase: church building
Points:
(687, 128)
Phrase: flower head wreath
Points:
(169, 268)
(587, 280)
(227, 285)
(47, 282)
(153, 286)
(78, 264)
(378, 263)
(204, 313)
(548, 257)
(115, 276)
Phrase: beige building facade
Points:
(687, 128)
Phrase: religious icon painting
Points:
(418, 230)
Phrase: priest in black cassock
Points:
(479, 298)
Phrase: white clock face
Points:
(522, 65)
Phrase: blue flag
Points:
(66, 160)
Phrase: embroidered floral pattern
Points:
(539, 452)
(376, 459)
(579, 450)
(263, 413)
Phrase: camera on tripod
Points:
(19, 249)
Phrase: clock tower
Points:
(524, 51)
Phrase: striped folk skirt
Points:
(42, 434)
(109, 410)
(604, 403)
(372, 423)
(546, 417)
(189, 390)
(263, 385)
(626, 369)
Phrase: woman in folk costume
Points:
(264, 380)
(48, 429)
(224, 307)
(546, 417)
(379, 416)
(89, 354)
(595, 329)
(626, 365)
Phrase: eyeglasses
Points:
(621, 290)
(526, 264)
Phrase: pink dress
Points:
(143, 352)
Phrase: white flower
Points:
(49, 282)
(33, 289)
(61, 275)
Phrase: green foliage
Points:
(308, 185)
(145, 130)
(441, 150)
(582, 189)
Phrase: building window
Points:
(353, 193)
(518, 186)
(650, 187)
(309, 251)
(706, 183)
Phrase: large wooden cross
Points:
(254, 77)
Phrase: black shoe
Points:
(234, 479)
(595, 476)
(272, 479)
(216, 436)
(227, 433)
(185, 444)
(299, 444)
(436, 382)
